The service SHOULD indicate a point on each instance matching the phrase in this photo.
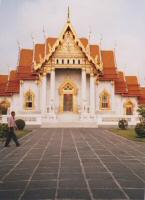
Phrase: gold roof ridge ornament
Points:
(68, 15)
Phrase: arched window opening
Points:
(62, 61)
(129, 108)
(73, 61)
(79, 62)
(4, 106)
(29, 100)
(67, 61)
(57, 61)
(105, 100)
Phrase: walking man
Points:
(11, 133)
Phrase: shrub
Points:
(3, 130)
(141, 112)
(123, 124)
(140, 129)
(20, 124)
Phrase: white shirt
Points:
(11, 122)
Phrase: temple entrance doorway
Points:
(68, 97)
(68, 102)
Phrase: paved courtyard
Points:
(72, 164)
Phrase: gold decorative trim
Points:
(102, 95)
(128, 104)
(26, 95)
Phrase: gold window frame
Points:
(105, 94)
(30, 92)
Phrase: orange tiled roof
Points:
(3, 87)
(39, 52)
(13, 75)
(49, 44)
(13, 83)
(51, 41)
(141, 99)
(3, 84)
(95, 51)
(26, 57)
(3, 78)
(13, 87)
(109, 66)
(108, 59)
(132, 86)
(84, 42)
(120, 84)
(25, 68)
(26, 73)
(126, 86)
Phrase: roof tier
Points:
(127, 86)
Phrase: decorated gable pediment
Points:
(69, 52)
(68, 47)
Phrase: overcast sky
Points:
(120, 24)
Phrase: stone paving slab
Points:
(73, 164)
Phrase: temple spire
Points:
(68, 15)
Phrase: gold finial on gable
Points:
(68, 15)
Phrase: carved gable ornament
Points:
(68, 47)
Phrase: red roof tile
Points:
(132, 86)
(13, 84)
(109, 66)
(120, 84)
(3, 87)
(51, 41)
(49, 44)
(39, 52)
(26, 57)
(95, 51)
(84, 42)
(141, 99)
(26, 73)
(3, 78)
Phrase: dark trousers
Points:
(11, 135)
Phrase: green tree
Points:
(141, 112)
(140, 127)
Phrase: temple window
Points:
(67, 61)
(79, 62)
(73, 61)
(4, 106)
(105, 100)
(62, 61)
(57, 61)
(128, 108)
(29, 100)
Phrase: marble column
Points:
(43, 93)
(52, 85)
(52, 90)
(92, 93)
(22, 98)
(83, 90)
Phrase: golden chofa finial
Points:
(68, 15)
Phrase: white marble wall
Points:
(117, 101)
